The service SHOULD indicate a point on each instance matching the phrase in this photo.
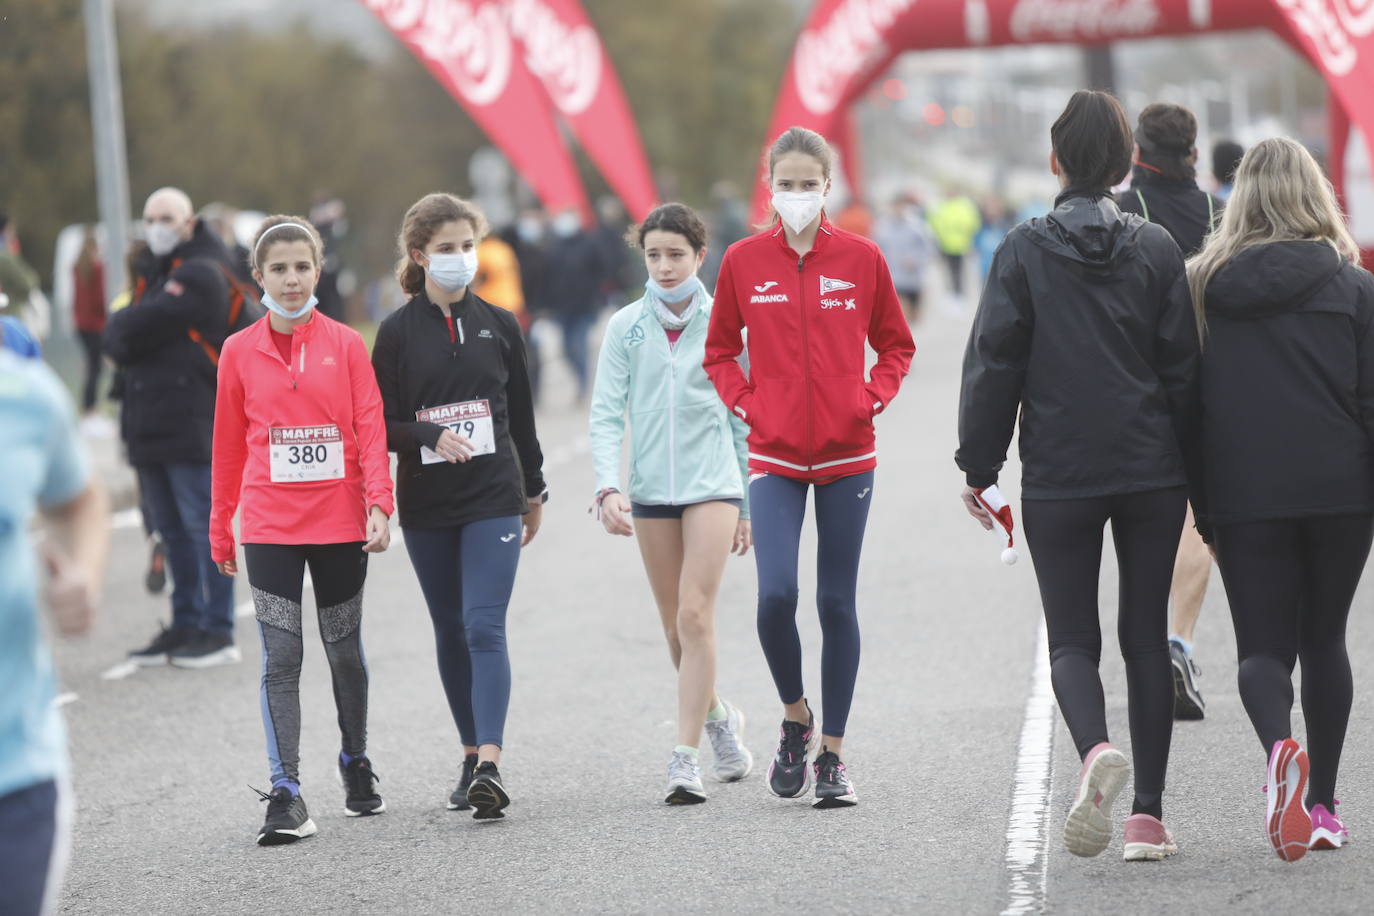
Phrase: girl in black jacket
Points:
(1285, 485)
(469, 478)
(1086, 328)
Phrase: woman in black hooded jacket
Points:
(1285, 483)
(1086, 327)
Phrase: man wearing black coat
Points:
(167, 343)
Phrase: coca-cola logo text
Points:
(566, 58)
(827, 58)
(468, 41)
(1070, 20)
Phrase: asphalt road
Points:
(163, 758)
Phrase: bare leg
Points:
(708, 529)
(1192, 569)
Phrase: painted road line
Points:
(1028, 826)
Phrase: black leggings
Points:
(1290, 583)
(1065, 538)
(276, 572)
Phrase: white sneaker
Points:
(732, 760)
(684, 781)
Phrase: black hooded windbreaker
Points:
(1087, 328)
(1287, 388)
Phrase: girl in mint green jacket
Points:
(688, 479)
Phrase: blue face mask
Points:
(683, 290)
(272, 305)
(452, 272)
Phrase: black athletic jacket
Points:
(1087, 328)
(1287, 388)
(1181, 207)
(418, 367)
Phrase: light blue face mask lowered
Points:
(683, 290)
(272, 305)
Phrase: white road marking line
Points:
(118, 672)
(1028, 825)
(64, 699)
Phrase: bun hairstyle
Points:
(1092, 141)
(672, 217)
(282, 228)
(1166, 134)
(425, 218)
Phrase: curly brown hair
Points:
(424, 218)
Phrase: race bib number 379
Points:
(304, 453)
(469, 419)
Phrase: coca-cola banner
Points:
(562, 49)
(468, 47)
(847, 44)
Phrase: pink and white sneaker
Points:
(1286, 820)
(1147, 839)
(1088, 828)
(1327, 830)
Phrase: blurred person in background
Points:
(955, 222)
(856, 218)
(219, 218)
(167, 344)
(577, 273)
(1226, 156)
(727, 224)
(45, 469)
(623, 273)
(1164, 190)
(14, 336)
(905, 242)
(527, 238)
(89, 314)
(329, 214)
(996, 224)
(19, 282)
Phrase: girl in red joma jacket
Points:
(300, 440)
(810, 296)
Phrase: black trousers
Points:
(1290, 583)
(1065, 538)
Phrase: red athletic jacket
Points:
(808, 405)
(317, 423)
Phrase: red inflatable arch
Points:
(847, 44)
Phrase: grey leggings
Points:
(276, 574)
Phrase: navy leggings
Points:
(778, 508)
(467, 573)
(34, 841)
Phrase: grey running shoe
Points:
(1188, 702)
(684, 781)
(732, 760)
(287, 820)
(833, 788)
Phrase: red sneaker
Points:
(1088, 828)
(1147, 839)
(1286, 819)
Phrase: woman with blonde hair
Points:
(1284, 483)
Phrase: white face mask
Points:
(452, 272)
(162, 238)
(798, 208)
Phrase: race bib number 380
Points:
(469, 419)
(303, 453)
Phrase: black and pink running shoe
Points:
(788, 774)
(833, 788)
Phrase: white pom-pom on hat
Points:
(1010, 556)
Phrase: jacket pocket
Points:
(843, 415)
(778, 417)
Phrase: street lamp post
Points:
(107, 121)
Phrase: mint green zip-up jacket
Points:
(685, 447)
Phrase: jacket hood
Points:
(1271, 278)
(201, 244)
(1090, 230)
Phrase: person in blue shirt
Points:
(688, 466)
(45, 469)
(15, 336)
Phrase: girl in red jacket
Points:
(811, 295)
(301, 443)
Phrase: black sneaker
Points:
(458, 801)
(833, 788)
(359, 779)
(205, 650)
(486, 793)
(156, 652)
(788, 774)
(1188, 704)
(287, 820)
(155, 580)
